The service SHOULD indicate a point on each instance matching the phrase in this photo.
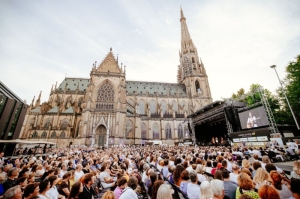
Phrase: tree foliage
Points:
(292, 89)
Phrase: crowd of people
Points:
(156, 172)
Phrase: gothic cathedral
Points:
(107, 110)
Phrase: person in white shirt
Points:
(63, 170)
(52, 193)
(78, 172)
(235, 172)
(128, 192)
(105, 178)
(193, 189)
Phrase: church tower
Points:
(191, 71)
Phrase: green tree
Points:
(292, 89)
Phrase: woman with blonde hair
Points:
(199, 171)
(109, 195)
(206, 190)
(246, 165)
(261, 178)
(296, 170)
(164, 192)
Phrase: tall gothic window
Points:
(62, 134)
(180, 131)
(44, 134)
(141, 107)
(64, 124)
(143, 131)
(47, 123)
(53, 134)
(34, 134)
(129, 129)
(197, 86)
(153, 107)
(155, 129)
(164, 106)
(168, 131)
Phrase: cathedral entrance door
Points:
(101, 134)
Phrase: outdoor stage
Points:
(210, 123)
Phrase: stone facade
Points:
(106, 109)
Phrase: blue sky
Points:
(42, 41)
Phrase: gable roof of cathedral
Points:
(109, 64)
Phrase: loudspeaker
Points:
(229, 114)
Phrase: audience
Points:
(151, 169)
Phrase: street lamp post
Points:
(274, 66)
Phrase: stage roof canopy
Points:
(18, 141)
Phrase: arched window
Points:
(44, 134)
(106, 93)
(62, 134)
(193, 60)
(64, 124)
(168, 131)
(175, 106)
(143, 131)
(155, 130)
(164, 106)
(141, 107)
(153, 106)
(129, 129)
(53, 134)
(180, 131)
(34, 135)
(47, 123)
(197, 86)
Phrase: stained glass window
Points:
(180, 131)
(129, 129)
(106, 93)
(155, 130)
(168, 131)
(64, 124)
(143, 131)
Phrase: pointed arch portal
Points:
(101, 134)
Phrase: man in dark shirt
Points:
(12, 174)
(88, 191)
(229, 187)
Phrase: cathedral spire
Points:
(187, 44)
(38, 101)
(32, 102)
